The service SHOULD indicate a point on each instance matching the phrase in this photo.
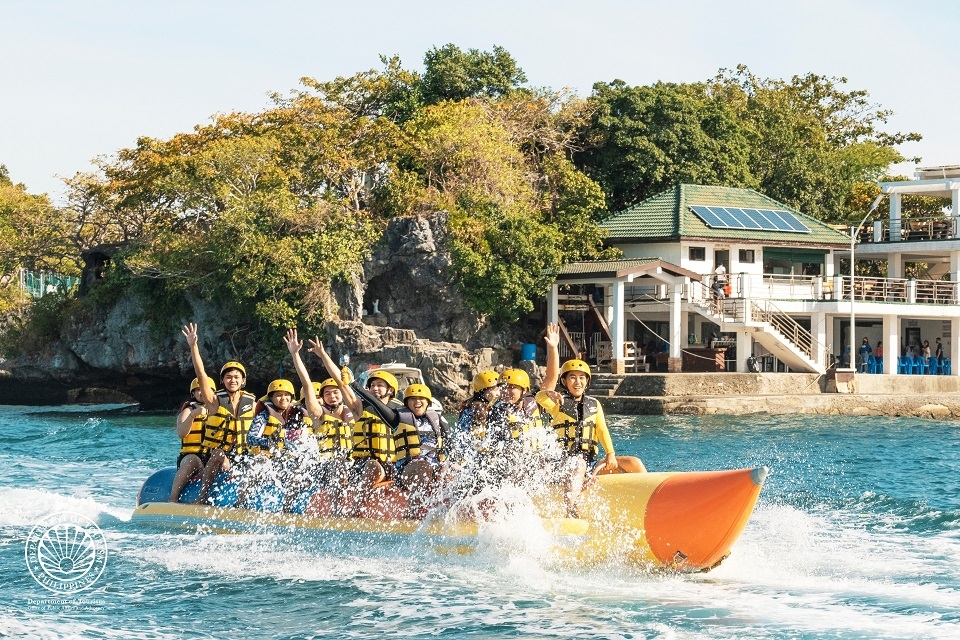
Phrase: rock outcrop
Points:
(402, 308)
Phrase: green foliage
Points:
(37, 325)
(643, 140)
(806, 142)
(453, 74)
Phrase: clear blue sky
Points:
(85, 78)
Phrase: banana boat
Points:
(682, 521)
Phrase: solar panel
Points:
(749, 219)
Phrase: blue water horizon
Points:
(855, 535)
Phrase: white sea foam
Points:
(24, 507)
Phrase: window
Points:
(747, 256)
(698, 253)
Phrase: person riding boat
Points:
(229, 413)
(517, 419)
(371, 446)
(420, 435)
(580, 427)
(471, 430)
(193, 455)
(374, 448)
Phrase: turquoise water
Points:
(856, 535)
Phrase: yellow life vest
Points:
(227, 428)
(193, 441)
(575, 425)
(278, 429)
(372, 438)
(407, 436)
(518, 422)
(333, 435)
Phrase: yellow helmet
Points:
(518, 377)
(316, 390)
(233, 364)
(418, 391)
(575, 365)
(387, 377)
(196, 385)
(484, 380)
(329, 382)
(280, 385)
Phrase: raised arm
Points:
(349, 397)
(388, 415)
(310, 401)
(552, 338)
(189, 332)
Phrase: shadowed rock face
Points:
(421, 321)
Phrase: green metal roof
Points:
(617, 268)
(667, 216)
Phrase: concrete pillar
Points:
(617, 327)
(891, 343)
(953, 348)
(895, 265)
(744, 350)
(955, 266)
(828, 339)
(912, 291)
(674, 363)
(553, 303)
(818, 329)
(838, 287)
(894, 217)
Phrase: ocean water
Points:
(856, 535)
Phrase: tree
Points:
(453, 74)
(643, 140)
(32, 231)
(805, 142)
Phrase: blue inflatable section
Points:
(223, 493)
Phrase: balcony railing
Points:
(911, 230)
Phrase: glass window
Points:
(747, 256)
(698, 253)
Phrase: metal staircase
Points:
(776, 331)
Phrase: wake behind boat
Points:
(684, 521)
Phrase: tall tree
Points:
(642, 140)
(453, 74)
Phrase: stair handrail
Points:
(790, 329)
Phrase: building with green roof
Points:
(666, 227)
(785, 299)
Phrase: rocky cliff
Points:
(402, 308)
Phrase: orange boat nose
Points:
(693, 518)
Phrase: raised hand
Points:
(189, 332)
(293, 343)
(316, 347)
(552, 337)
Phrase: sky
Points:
(85, 78)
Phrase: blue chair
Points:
(876, 364)
(934, 367)
(946, 366)
(904, 365)
(920, 366)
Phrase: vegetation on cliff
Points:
(260, 212)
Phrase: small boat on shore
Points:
(683, 521)
(405, 376)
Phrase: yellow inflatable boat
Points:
(683, 521)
